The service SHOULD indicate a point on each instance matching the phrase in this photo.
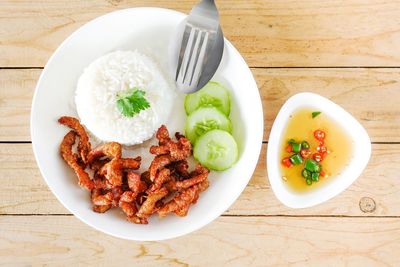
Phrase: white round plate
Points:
(148, 30)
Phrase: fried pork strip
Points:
(149, 205)
(177, 150)
(157, 164)
(72, 160)
(111, 150)
(162, 177)
(135, 183)
(181, 202)
(113, 170)
(84, 146)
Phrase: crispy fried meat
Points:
(96, 164)
(115, 184)
(149, 205)
(113, 170)
(101, 209)
(180, 169)
(181, 202)
(162, 177)
(100, 199)
(163, 135)
(84, 144)
(184, 184)
(135, 183)
(111, 150)
(157, 164)
(72, 160)
(127, 203)
(179, 150)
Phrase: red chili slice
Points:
(305, 153)
(317, 157)
(319, 135)
(286, 162)
(289, 148)
(322, 149)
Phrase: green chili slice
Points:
(315, 176)
(312, 165)
(296, 159)
(296, 147)
(306, 173)
(305, 145)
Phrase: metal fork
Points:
(201, 48)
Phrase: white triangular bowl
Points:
(359, 160)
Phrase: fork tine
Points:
(185, 40)
(201, 50)
(186, 57)
(193, 59)
(198, 67)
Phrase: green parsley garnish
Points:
(131, 103)
(315, 114)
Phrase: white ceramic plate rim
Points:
(256, 134)
(361, 151)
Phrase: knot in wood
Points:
(367, 205)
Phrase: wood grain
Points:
(229, 241)
(16, 91)
(267, 33)
(20, 177)
(379, 182)
(360, 227)
(371, 95)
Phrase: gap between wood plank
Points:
(21, 68)
(15, 142)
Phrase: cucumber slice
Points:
(213, 94)
(204, 120)
(216, 150)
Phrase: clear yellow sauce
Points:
(301, 126)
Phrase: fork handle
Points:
(208, 5)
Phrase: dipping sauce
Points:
(314, 148)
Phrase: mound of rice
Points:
(117, 72)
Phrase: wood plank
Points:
(379, 184)
(371, 95)
(16, 92)
(23, 191)
(267, 33)
(236, 241)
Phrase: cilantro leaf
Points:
(130, 104)
(315, 114)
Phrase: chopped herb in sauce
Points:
(315, 114)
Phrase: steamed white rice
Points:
(116, 72)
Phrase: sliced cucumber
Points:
(216, 150)
(213, 94)
(204, 120)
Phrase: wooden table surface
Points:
(348, 51)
